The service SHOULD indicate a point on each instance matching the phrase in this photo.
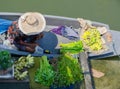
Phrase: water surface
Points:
(106, 11)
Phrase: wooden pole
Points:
(83, 58)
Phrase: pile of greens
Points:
(92, 39)
(68, 71)
(45, 74)
(73, 47)
(5, 60)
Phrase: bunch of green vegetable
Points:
(68, 71)
(5, 60)
(20, 65)
(92, 39)
(73, 47)
(45, 74)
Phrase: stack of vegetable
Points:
(92, 39)
(45, 74)
(73, 47)
(23, 62)
(68, 71)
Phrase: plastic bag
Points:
(38, 50)
(4, 25)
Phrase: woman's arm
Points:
(32, 45)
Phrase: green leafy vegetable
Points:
(73, 47)
(45, 74)
(68, 71)
(5, 60)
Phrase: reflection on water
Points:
(106, 11)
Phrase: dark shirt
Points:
(18, 36)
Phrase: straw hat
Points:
(32, 23)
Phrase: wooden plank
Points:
(83, 58)
(13, 80)
(14, 84)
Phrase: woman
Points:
(26, 31)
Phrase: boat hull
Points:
(54, 21)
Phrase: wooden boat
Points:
(55, 21)
(51, 42)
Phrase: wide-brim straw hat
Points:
(32, 23)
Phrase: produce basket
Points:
(7, 74)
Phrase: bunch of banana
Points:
(20, 65)
(29, 61)
(20, 75)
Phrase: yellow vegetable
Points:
(92, 39)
